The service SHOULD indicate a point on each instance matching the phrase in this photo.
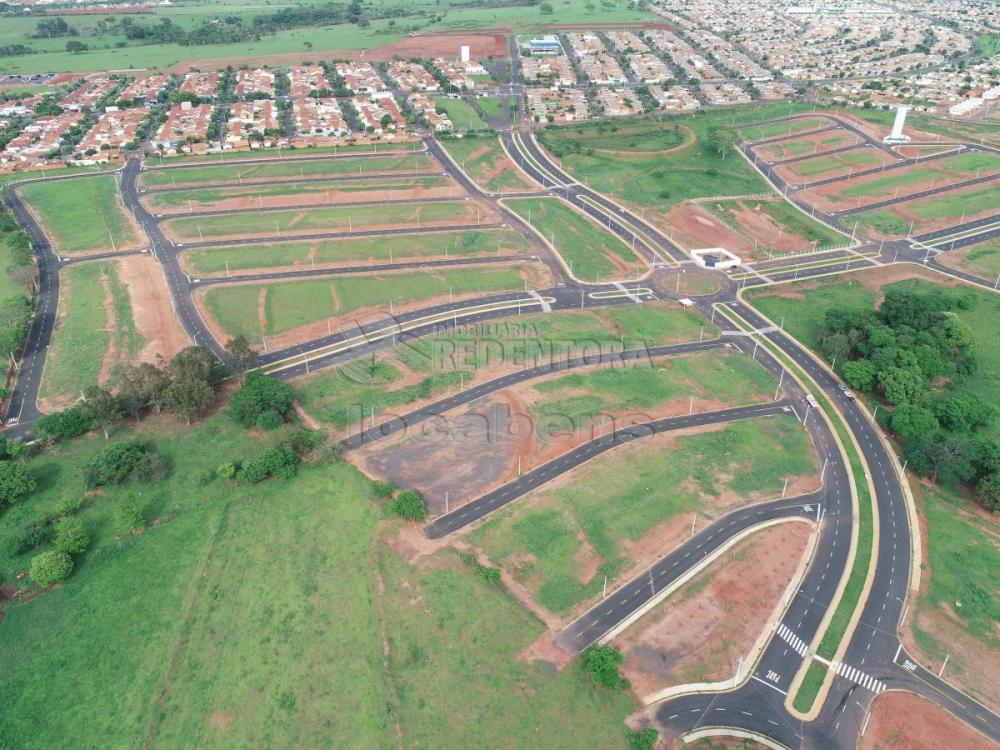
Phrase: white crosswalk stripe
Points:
(800, 647)
(857, 676)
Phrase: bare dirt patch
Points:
(698, 633)
(152, 311)
(903, 721)
(762, 227)
(913, 152)
(693, 228)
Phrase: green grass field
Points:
(961, 166)
(203, 199)
(861, 158)
(288, 305)
(485, 161)
(581, 398)
(83, 334)
(490, 105)
(954, 539)
(591, 251)
(377, 249)
(775, 129)
(786, 216)
(285, 169)
(338, 396)
(790, 149)
(982, 259)
(693, 171)
(461, 113)
(12, 281)
(540, 538)
(320, 220)
(81, 215)
(248, 615)
(970, 202)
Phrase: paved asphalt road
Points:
(492, 501)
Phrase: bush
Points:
(16, 482)
(260, 393)
(269, 420)
(129, 514)
(226, 471)
(70, 505)
(70, 536)
(601, 663)
(119, 462)
(490, 575)
(382, 489)
(644, 740)
(51, 567)
(31, 537)
(409, 505)
(65, 424)
(279, 461)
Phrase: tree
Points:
(260, 393)
(16, 482)
(71, 536)
(645, 739)
(189, 398)
(76, 47)
(409, 505)
(51, 567)
(910, 421)
(721, 140)
(195, 362)
(860, 374)
(242, 357)
(104, 409)
(963, 412)
(988, 491)
(142, 386)
(119, 462)
(900, 386)
(601, 663)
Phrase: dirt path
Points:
(111, 316)
(152, 310)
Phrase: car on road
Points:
(847, 394)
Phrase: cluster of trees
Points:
(262, 401)
(49, 28)
(279, 461)
(185, 387)
(917, 354)
(601, 663)
(119, 463)
(13, 50)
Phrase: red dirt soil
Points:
(767, 232)
(692, 228)
(152, 311)
(903, 721)
(699, 632)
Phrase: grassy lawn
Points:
(604, 505)
(591, 251)
(461, 113)
(205, 198)
(485, 161)
(490, 105)
(80, 215)
(288, 305)
(466, 243)
(319, 220)
(860, 158)
(83, 333)
(582, 397)
(336, 396)
(9, 285)
(982, 259)
(278, 169)
(963, 165)
(945, 206)
(790, 149)
(786, 216)
(775, 129)
(627, 172)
